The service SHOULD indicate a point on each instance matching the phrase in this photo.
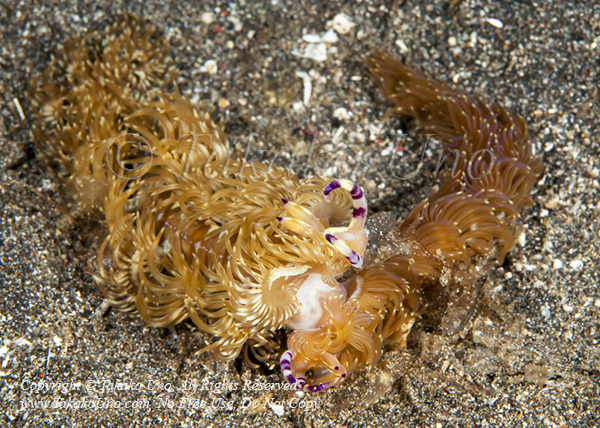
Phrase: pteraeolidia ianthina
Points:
(246, 249)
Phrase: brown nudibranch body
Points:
(246, 249)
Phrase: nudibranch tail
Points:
(473, 210)
(351, 255)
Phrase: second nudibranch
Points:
(327, 322)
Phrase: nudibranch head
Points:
(326, 347)
(327, 326)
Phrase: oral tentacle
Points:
(285, 364)
(350, 241)
(334, 365)
(317, 387)
(300, 213)
(359, 201)
(295, 225)
(340, 245)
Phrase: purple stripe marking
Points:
(317, 388)
(279, 218)
(356, 192)
(284, 201)
(359, 212)
(290, 378)
(353, 258)
(332, 186)
(320, 387)
(330, 238)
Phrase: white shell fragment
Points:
(341, 114)
(19, 109)
(307, 85)
(277, 408)
(312, 38)
(546, 313)
(315, 51)
(317, 46)
(330, 36)
(495, 22)
(400, 43)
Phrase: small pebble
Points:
(342, 24)
(310, 132)
(341, 114)
(576, 264)
(207, 17)
(210, 67)
(546, 313)
(403, 48)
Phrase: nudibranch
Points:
(242, 249)
(246, 249)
